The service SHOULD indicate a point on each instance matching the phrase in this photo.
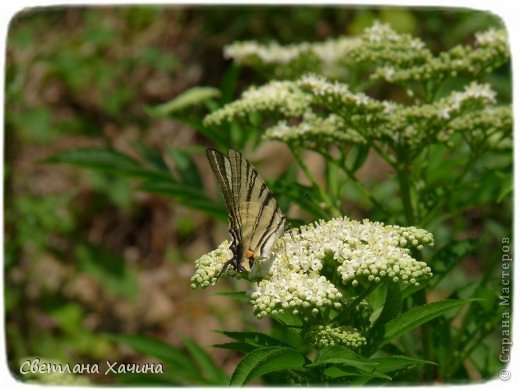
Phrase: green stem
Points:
(405, 187)
(390, 160)
(403, 176)
(351, 175)
(335, 212)
(345, 314)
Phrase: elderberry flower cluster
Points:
(330, 335)
(361, 251)
(489, 52)
(377, 44)
(336, 93)
(208, 267)
(280, 96)
(314, 129)
(313, 110)
(472, 93)
(489, 128)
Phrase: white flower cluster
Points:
(208, 267)
(273, 53)
(474, 92)
(280, 96)
(492, 125)
(382, 32)
(417, 124)
(339, 94)
(382, 45)
(301, 292)
(378, 43)
(362, 251)
(316, 129)
(329, 335)
(490, 51)
(492, 37)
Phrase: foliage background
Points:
(86, 254)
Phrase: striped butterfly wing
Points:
(222, 170)
(255, 218)
(261, 225)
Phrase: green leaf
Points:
(266, 360)
(186, 168)
(195, 96)
(391, 309)
(229, 82)
(254, 338)
(236, 346)
(392, 306)
(339, 355)
(341, 372)
(186, 195)
(288, 319)
(360, 153)
(298, 193)
(107, 160)
(419, 315)
(180, 364)
(152, 157)
(398, 362)
(207, 366)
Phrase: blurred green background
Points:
(87, 254)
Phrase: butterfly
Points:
(255, 220)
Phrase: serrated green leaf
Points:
(397, 362)
(265, 360)
(254, 338)
(236, 346)
(213, 373)
(338, 355)
(351, 371)
(419, 315)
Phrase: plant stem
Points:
(351, 175)
(404, 186)
(324, 196)
(344, 315)
(457, 182)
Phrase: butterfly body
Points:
(255, 220)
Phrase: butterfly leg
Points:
(234, 262)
